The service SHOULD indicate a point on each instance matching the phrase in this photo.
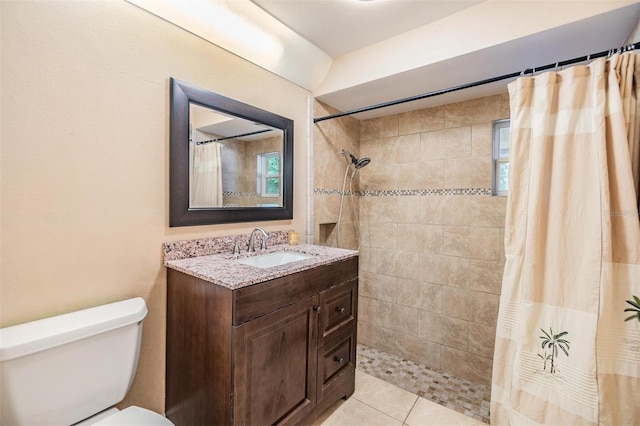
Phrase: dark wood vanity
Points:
(277, 352)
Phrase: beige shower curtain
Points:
(566, 351)
(205, 175)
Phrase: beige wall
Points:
(85, 159)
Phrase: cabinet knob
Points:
(340, 309)
(317, 308)
(338, 360)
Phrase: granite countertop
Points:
(221, 269)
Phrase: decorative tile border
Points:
(240, 194)
(405, 192)
(323, 191)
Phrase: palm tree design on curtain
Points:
(552, 342)
(545, 358)
(636, 308)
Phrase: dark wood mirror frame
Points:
(181, 95)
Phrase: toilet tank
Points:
(63, 369)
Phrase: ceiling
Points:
(342, 27)
(219, 126)
(352, 54)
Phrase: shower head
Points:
(362, 162)
(357, 163)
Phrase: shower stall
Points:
(429, 241)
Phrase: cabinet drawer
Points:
(254, 301)
(338, 308)
(338, 354)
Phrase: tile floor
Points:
(394, 391)
(463, 396)
(378, 403)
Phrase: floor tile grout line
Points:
(412, 407)
(380, 411)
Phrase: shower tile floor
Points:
(463, 396)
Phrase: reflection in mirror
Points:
(233, 162)
(229, 161)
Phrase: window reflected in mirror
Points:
(268, 182)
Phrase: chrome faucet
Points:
(252, 239)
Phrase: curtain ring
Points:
(588, 57)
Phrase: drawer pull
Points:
(317, 308)
(340, 309)
(338, 360)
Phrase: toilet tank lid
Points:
(31, 337)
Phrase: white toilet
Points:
(73, 368)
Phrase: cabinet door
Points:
(276, 365)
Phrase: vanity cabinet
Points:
(277, 352)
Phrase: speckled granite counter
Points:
(221, 269)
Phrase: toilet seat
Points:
(135, 416)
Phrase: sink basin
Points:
(277, 258)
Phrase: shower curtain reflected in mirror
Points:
(568, 340)
(205, 175)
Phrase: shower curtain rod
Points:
(610, 52)
(257, 132)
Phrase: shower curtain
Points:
(567, 345)
(205, 175)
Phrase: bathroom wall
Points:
(329, 139)
(85, 159)
(431, 236)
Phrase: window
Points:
(269, 174)
(501, 157)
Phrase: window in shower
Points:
(269, 174)
(500, 185)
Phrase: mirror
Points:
(229, 161)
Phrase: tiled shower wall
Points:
(329, 139)
(431, 235)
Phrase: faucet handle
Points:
(263, 245)
(236, 247)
